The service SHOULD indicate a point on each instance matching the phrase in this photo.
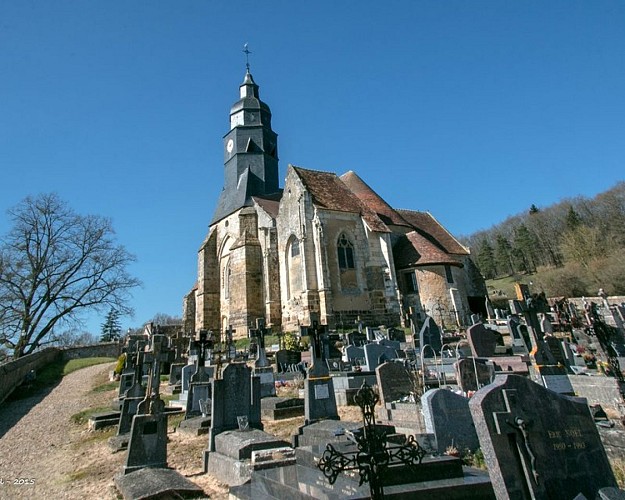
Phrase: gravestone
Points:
(319, 399)
(147, 446)
(262, 367)
(394, 382)
(357, 339)
(200, 380)
(555, 348)
(519, 341)
(397, 334)
(448, 417)
(354, 354)
(556, 379)
(545, 324)
(482, 340)
(538, 444)
(285, 358)
(473, 373)
(490, 312)
(430, 334)
(129, 405)
(375, 354)
(236, 394)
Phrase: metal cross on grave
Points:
(513, 423)
(138, 359)
(229, 340)
(259, 333)
(316, 340)
(160, 353)
(202, 345)
(374, 454)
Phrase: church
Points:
(323, 245)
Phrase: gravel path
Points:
(58, 459)
(40, 453)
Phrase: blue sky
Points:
(472, 110)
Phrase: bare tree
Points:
(54, 266)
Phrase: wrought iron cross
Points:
(247, 53)
(374, 455)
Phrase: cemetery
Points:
(374, 414)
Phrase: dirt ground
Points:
(44, 454)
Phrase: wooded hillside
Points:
(574, 247)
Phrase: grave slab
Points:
(156, 483)
(537, 443)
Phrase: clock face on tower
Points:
(230, 145)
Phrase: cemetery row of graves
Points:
(541, 402)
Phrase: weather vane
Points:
(247, 53)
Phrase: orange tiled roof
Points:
(431, 229)
(413, 249)
(372, 199)
(329, 192)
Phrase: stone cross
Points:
(159, 354)
(514, 423)
(259, 333)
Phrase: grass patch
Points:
(108, 386)
(52, 373)
(173, 421)
(83, 416)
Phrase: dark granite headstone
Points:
(285, 358)
(394, 382)
(355, 354)
(483, 341)
(556, 379)
(397, 335)
(448, 417)
(319, 398)
(538, 444)
(555, 348)
(376, 354)
(236, 394)
(357, 339)
(430, 334)
(148, 442)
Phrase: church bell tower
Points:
(250, 152)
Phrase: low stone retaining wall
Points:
(13, 373)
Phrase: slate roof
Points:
(330, 192)
(430, 228)
(372, 199)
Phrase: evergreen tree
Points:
(534, 209)
(573, 220)
(111, 328)
(525, 249)
(503, 256)
(486, 260)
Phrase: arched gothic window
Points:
(347, 264)
(345, 253)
